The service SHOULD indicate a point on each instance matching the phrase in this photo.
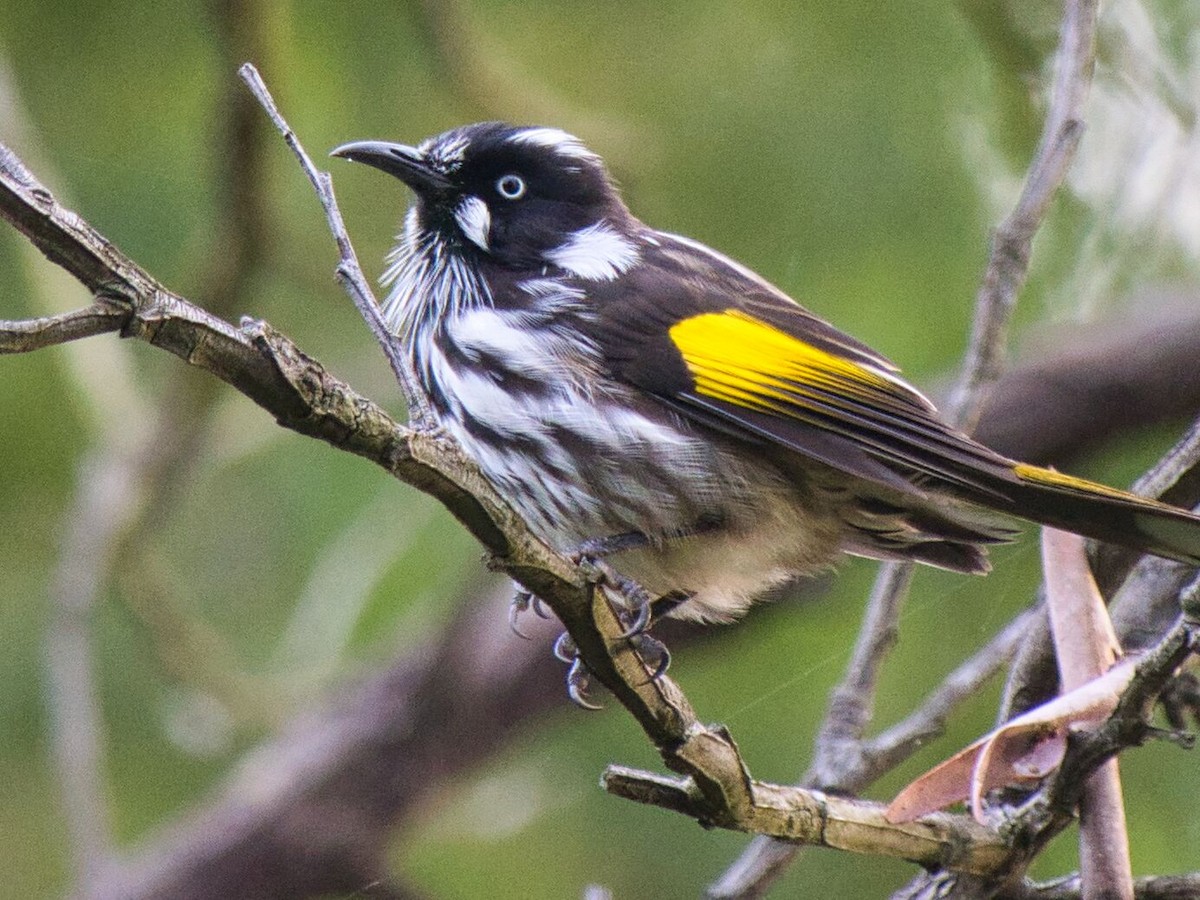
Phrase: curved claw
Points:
(579, 679)
(565, 649)
(641, 616)
(653, 651)
(520, 602)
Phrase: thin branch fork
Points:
(1053, 808)
(1008, 264)
(46, 331)
(349, 272)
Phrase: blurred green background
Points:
(854, 153)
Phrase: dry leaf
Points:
(1020, 750)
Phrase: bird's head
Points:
(522, 197)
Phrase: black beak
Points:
(406, 163)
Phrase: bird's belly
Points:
(724, 526)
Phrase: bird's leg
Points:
(636, 612)
(592, 558)
(653, 652)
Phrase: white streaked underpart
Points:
(597, 252)
(551, 354)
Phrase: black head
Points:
(515, 195)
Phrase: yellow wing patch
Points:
(737, 358)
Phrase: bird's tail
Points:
(1107, 514)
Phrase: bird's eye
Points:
(511, 187)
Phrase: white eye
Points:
(511, 187)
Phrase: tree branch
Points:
(349, 272)
(1008, 263)
(22, 336)
(1146, 602)
(891, 747)
(817, 819)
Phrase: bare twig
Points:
(1146, 603)
(766, 858)
(349, 272)
(852, 700)
(33, 334)
(1052, 808)
(1008, 264)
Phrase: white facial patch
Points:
(474, 220)
(554, 139)
(596, 252)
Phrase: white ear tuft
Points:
(475, 220)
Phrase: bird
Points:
(643, 400)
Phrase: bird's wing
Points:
(722, 347)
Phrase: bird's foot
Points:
(634, 610)
(654, 654)
(580, 680)
(524, 600)
(579, 676)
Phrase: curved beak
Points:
(406, 163)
